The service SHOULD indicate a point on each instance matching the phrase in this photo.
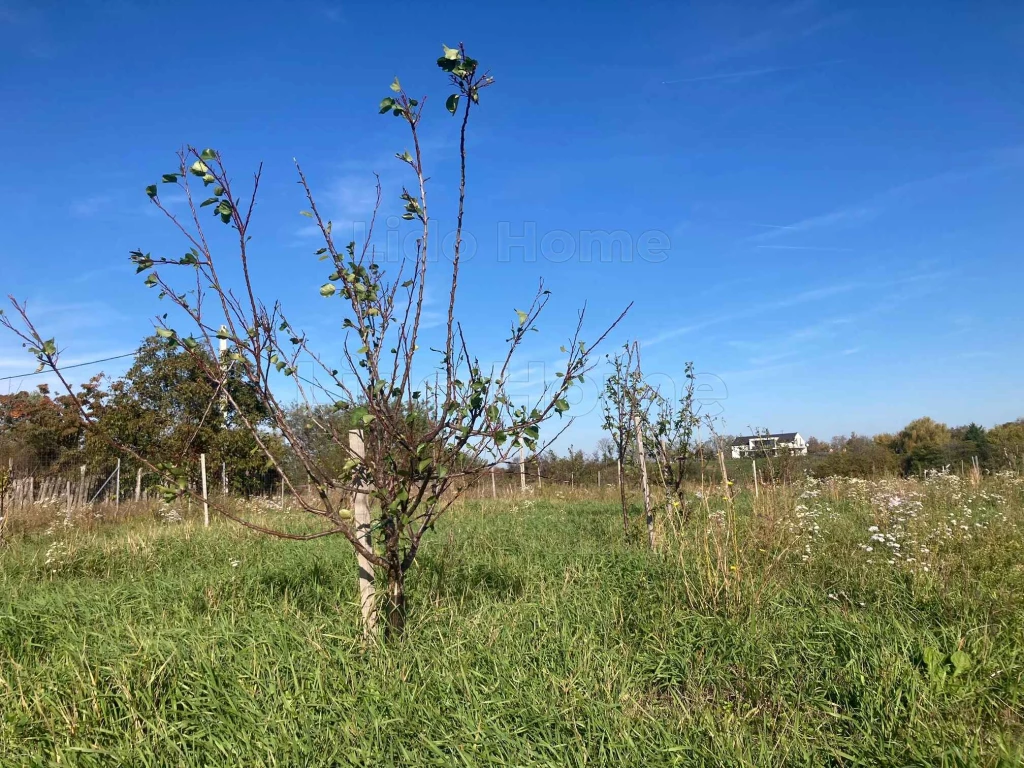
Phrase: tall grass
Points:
(762, 635)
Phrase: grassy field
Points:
(832, 623)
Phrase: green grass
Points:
(537, 637)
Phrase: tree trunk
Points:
(395, 606)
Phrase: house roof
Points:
(784, 437)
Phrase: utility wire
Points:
(68, 367)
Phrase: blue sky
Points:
(840, 184)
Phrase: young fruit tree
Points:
(425, 433)
(617, 408)
(675, 441)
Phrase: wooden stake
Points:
(364, 522)
(117, 487)
(494, 486)
(648, 512)
(206, 505)
(522, 466)
(138, 484)
(753, 463)
(67, 511)
(725, 476)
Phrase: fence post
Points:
(206, 506)
(117, 487)
(753, 463)
(364, 522)
(138, 485)
(224, 478)
(522, 466)
(67, 511)
(494, 486)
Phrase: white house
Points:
(753, 446)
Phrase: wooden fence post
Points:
(753, 463)
(206, 505)
(648, 512)
(364, 522)
(67, 511)
(522, 466)
(138, 485)
(494, 486)
(117, 487)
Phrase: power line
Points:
(69, 367)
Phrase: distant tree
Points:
(837, 443)
(170, 408)
(966, 443)
(861, 457)
(887, 440)
(1006, 443)
(817, 447)
(40, 432)
(923, 444)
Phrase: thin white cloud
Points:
(866, 210)
(88, 207)
(803, 297)
(747, 73)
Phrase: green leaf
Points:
(199, 168)
(450, 53)
(208, 154)
(523, 317)
(452, 103)
(151, 190)
(395, 86)
(327, 289)
(386, 104)
(961, 662)
(209, 201)
(169, 178)
(424, 464)
(164, 333)
(306, 213)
